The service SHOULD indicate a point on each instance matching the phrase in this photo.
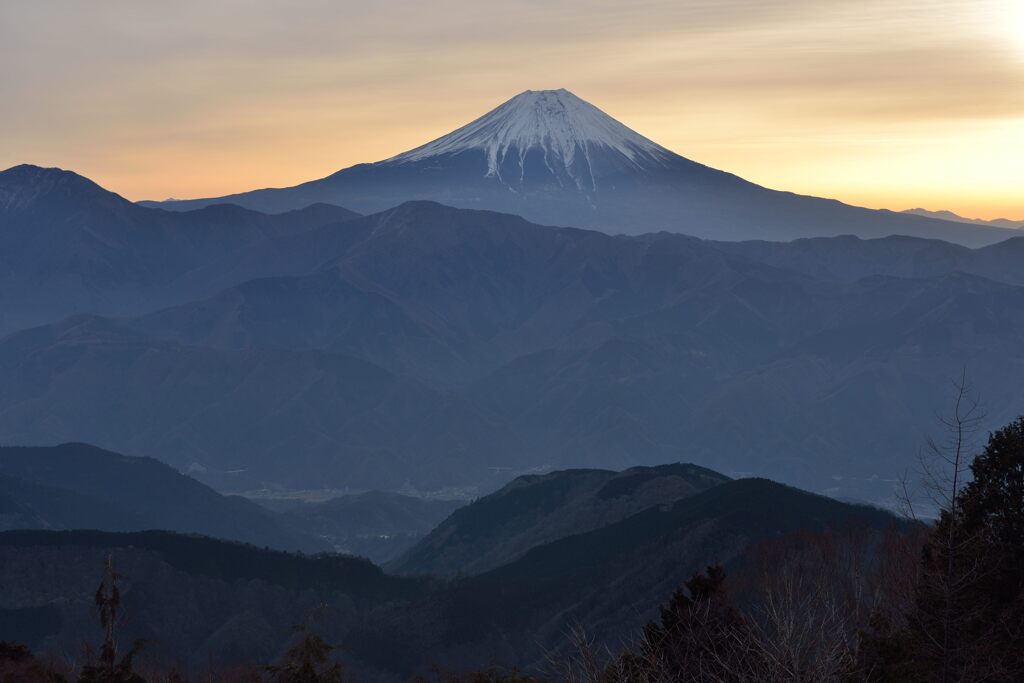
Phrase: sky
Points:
(880, 103)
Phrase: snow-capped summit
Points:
(567, 131)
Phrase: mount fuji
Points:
(555, 159)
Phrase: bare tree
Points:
(946, 462)
(586, 662)
(950, 564)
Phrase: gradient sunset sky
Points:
(881, 103)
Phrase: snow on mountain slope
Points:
(563, 127)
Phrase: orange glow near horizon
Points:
(888, 105)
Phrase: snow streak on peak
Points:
(556, 122)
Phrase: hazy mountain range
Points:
(68, 246)
(950, 216)
(423, 347)
(555, 159)
(429, 348)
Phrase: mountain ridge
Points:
(533, 510)
(608, 579)
(76, 485)
(69, 246)
(557, 160)
(464, 346)
(950, 216)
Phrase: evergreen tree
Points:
(992, 518)
(967, 620)
(308, 660)
(695, 637)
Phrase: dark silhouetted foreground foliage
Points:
(18, 665)
(820, 605)
(966, 621)
(308, 660)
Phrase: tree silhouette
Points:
(307, 660)
(108, 603)
(967, 620)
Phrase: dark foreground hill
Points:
(536, 509)
(198, 602)
(77, 486)
(204, 601)
(608, 580)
